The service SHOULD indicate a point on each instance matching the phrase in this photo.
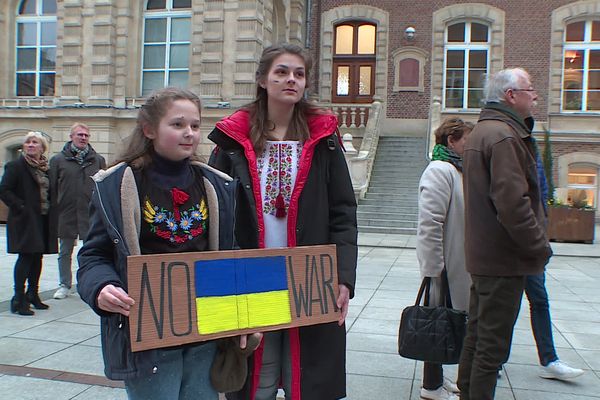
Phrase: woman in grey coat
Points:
(441, 235)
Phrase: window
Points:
(354, 62)
(36, 48)
(582, 185)
(466, 60)
(166, 51)
(581, 67)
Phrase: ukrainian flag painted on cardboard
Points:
(241, 293)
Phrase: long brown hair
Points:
(138, 150)
(259, 112)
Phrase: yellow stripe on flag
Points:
(228, 313)
(269, 308)
(217, 314)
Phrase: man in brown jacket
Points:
(505, 238)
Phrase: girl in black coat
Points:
(25, 190)
(296, 191)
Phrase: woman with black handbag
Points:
(440, 236)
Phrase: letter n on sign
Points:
(190, 297)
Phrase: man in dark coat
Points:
(70, 180)
(505, 238)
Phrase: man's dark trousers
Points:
(493, 310)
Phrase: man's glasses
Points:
(523, 90)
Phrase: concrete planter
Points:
(566, 224)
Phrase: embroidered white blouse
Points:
(277, 169)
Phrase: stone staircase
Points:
(390, 204)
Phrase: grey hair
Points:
(39, 136)
(498, 83)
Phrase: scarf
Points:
(79, 154)
(40, 168)
(443, 153)
(41, 164)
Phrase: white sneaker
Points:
(450, 386)
(559, 370)
(61, 293)
(439, 394)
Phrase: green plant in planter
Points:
(547, 164)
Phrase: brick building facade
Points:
(557, 41)
(95, 60)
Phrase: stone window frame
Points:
(466, 47)
(38, 18)
(560, 18)
(409, 52)
(467, 12)
(169, 14)
(334, 17)
(586, 158)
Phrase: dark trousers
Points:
(28, 268)
(433, 376)
(493, 310)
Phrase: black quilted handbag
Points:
(433, 334)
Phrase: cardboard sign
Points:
(190, 297)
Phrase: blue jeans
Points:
(182, 374)
(535, 289)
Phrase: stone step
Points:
(406, 173)
(390, 203)
(388, 223)
(391, 216)
(386, 229)
(393, 197)
(400, 186)
(377, 207)
(411, 192)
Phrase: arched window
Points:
(36, 48)
(354, 62)
(581, 67)
(582, 185)
(466, 49)
(166, 50)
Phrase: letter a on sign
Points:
(190, 297)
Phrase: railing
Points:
(26, 103)
(134, 102)
(351, 115)
(360, 163)
(435, 119)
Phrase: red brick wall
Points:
(527, 43)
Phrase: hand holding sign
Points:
(114, 299)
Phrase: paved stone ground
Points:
(56, 353)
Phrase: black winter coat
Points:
(113, 236)
(26, 231)
(324, 213)
(72, 185)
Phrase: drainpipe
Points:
(308, 23)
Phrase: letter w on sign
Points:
(190, 297)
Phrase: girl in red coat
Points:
(296, 190)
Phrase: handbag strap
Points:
(446, 289)
(424, 289)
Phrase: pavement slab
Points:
(56, 354)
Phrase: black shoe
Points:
(35, 301)
(14, 305)
(18, 305)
